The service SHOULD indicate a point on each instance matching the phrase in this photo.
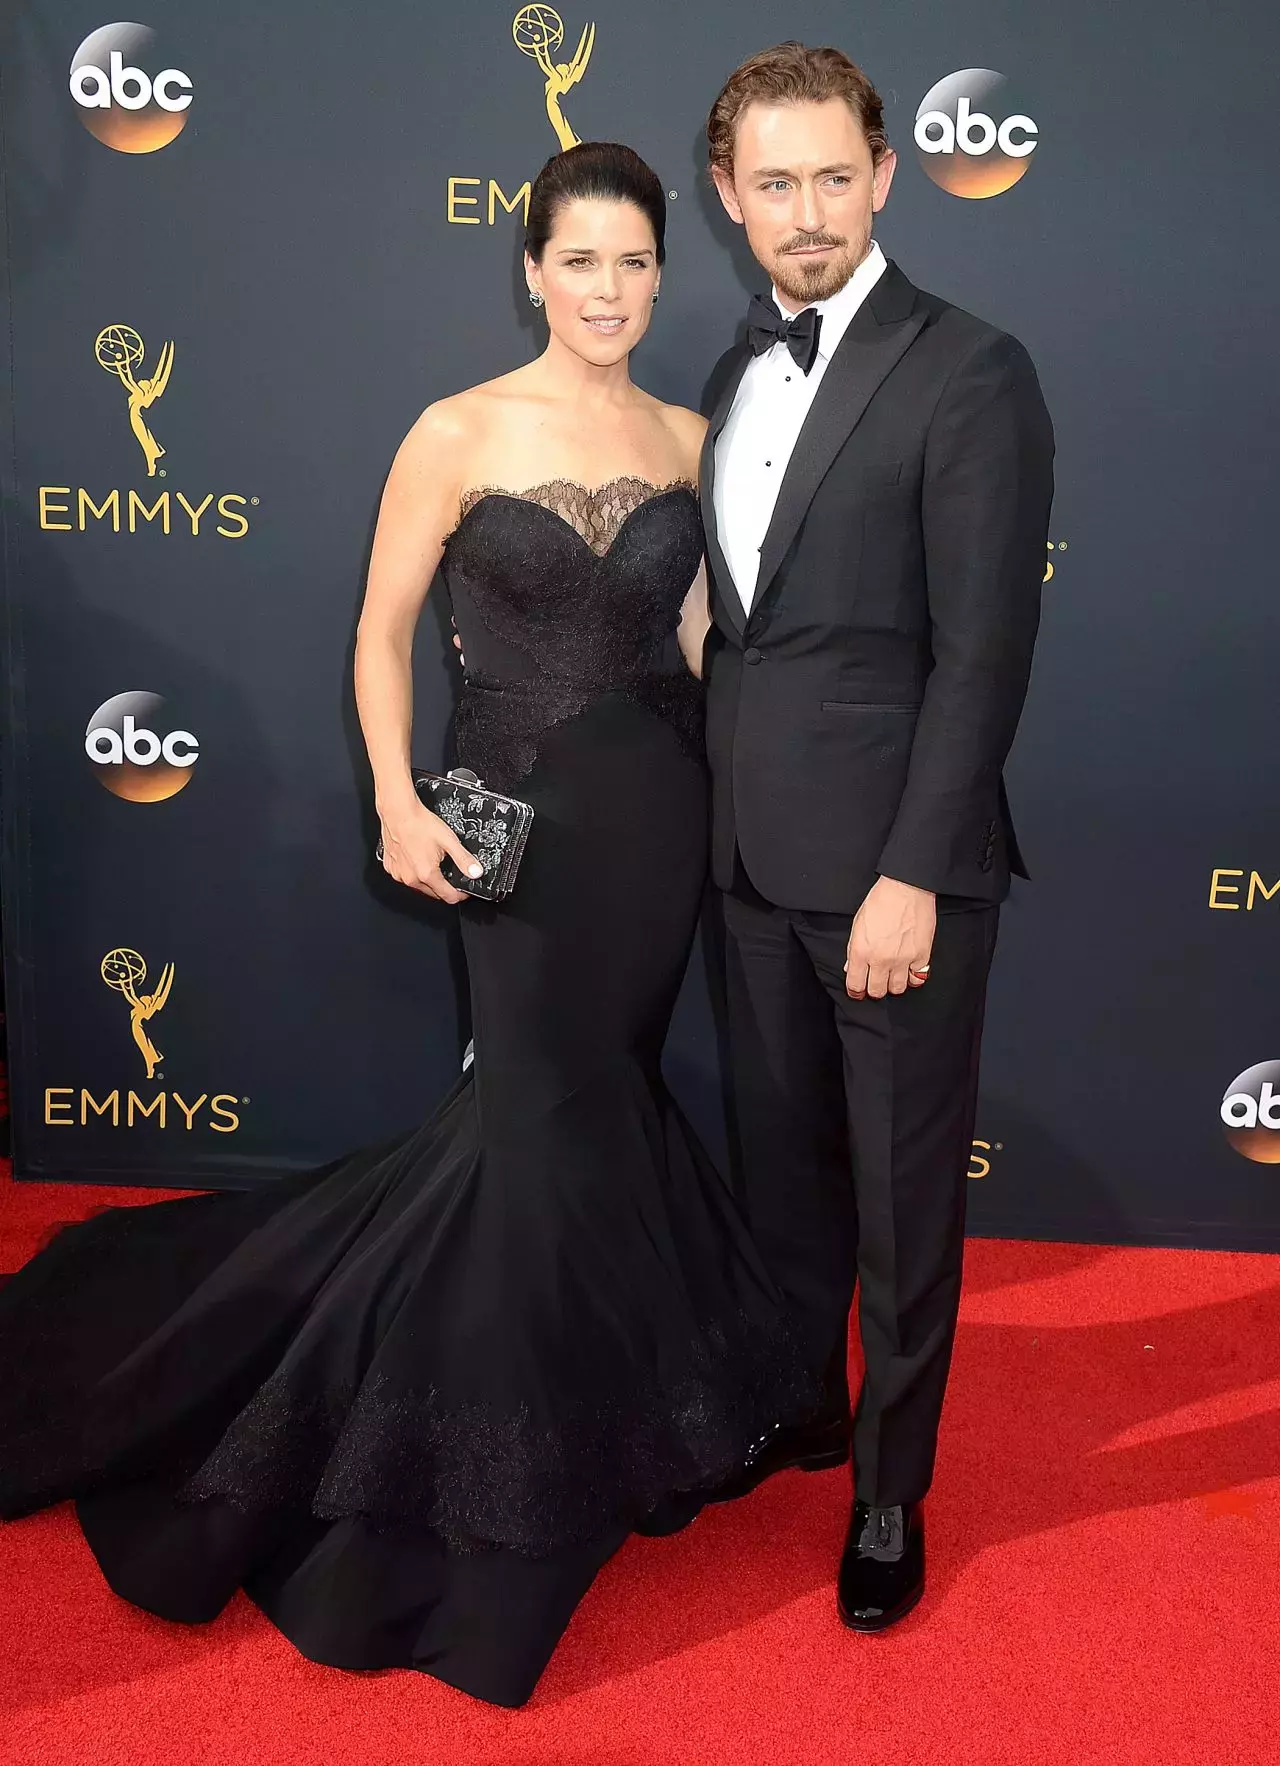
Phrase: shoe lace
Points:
(881, 1531)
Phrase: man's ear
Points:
(882, 179)
(728, 195)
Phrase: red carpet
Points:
(1104, 1537)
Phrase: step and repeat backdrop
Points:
(245, 246)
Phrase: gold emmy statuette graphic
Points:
(120, 350)
(125, 971)
(538, 31)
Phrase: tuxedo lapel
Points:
(723, 588)
(881, 331)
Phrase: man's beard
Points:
(805, 281)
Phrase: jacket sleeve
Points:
(987, 489)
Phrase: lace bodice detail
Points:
(563, 594)
(597, 515)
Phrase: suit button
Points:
(752, 656)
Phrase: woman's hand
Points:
(413, 844)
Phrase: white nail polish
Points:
(474, 871)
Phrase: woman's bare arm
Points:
(695, 621)
(419, 507)
(689, 430)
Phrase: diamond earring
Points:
(535, 299)
(655, 297)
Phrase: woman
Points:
(413, 1402)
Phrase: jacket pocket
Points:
(881, 472)
(863, 705)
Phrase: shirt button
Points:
(752, 656)
(768, 462)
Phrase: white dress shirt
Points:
(769, 408)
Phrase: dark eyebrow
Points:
(785, 172)
(589, 251)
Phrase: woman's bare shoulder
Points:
(462, 418)
(688, 430)
(452, 431)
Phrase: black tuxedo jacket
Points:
(859, 715)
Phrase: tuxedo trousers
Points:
(854, 1127)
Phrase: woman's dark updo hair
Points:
(594, 171)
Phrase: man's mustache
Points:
(806, 241)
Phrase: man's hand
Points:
(891, 940)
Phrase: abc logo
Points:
(967, 138)
(119, 101)
(129, 755)
(1251, 1113)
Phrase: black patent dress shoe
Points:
(882, 1570)
(814, 1446)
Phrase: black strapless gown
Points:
(412, 1402)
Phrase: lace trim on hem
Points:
(480, 1477)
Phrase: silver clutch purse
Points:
(492, 826)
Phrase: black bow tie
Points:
(766, 326)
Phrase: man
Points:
(876, 487)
